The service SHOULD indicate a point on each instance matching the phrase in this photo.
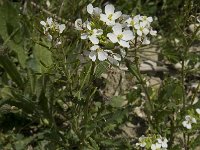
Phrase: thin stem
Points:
(182, 83)
(138, 76)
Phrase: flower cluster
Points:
(110, 33)
(52, 29)
(152, 142)
(189, 120)
(160, 144)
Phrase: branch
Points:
(51, 14)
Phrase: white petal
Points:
(145, 31)
(90, 9)
(109, 9)
(94, 39)
(113, 61)
(159, 140)
(137, 26)
(153, 32)
(103, 17)
(112, 37)
(43, 23)
(110, 22)
(88, 25)
(150, 19)
(61, 28)
(127, 35)
(145, 41)
(164, 145)
(92, 55)
(58, 42)
(187, 117)
(102, 55)
(78, 24)
(136, 19)
(139, 32)
(97, 11)
(189, 126)
(117, 29)
(84, 36)
(124, 43)
(153, 147)
(97, 32)
(184, 123)
(158, 146)
(123, 52)
(49, 37)
(198, 111)
(117, 57)
(129, 20)
(194, 120)
(94, 47)
(198, 19)
(85, 24)
(116, 15)
(49, 21)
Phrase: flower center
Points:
(144, 18)
(132, 23)
(141, 28)
(110, 16)
(119, 37)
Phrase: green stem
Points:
(139, 77)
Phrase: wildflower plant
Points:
(53, 30)
(55, 70)
(108, 31)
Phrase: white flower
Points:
(49, 37)
(188, 122)
(61, 28)
(153, 32)
(156, 146)
(114, 59)
(119, 36)
(163, 142)
(198, 111)
(141, 28)
(142, 142)
(79, 24)
(198, 19)
(146, 41)
(93, 11)
(52, 26)
(50, 21)
(46, 25)
(110, 15)
(97, 51)
(123, 52)
(146, 20)
(133, 21)
(48, 3)
(92, 34)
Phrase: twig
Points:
(51, 14)
(150, 69)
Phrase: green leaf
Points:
(12, 31)
(12, 71)
(117, 101)
(43, 59)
